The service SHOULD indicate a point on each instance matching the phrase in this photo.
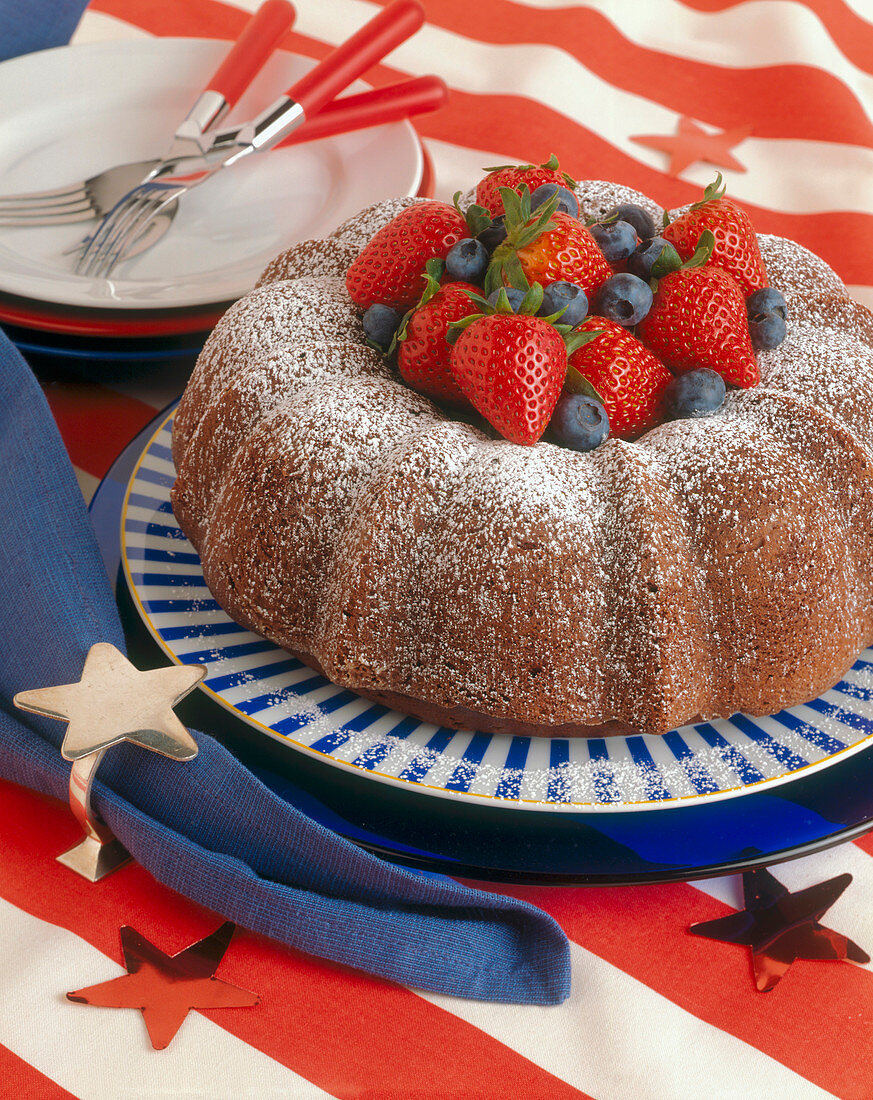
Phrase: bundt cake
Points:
(710, 566)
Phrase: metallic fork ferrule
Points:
(210, 108)
(277, 122)
(263, 132)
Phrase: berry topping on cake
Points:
(626, 375)
(768, 300)
(544, 247)
(497, 300)
(380, 325)
(514, 177)
(735, 243)
(467, 260)
(513, 296)
(641, 262)
(423, 351)
(694, 394)
(617, 240)
(767, 332)
(511, 367)
(641, 220)
(579, 422)
(767, 312)
(565, 298)
(390, 267)
(624, 298)
(698, 319)
(567, 201)
(494, 234)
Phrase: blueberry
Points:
(380, 324)
(494, 235)
(624, 298)
(467, 261)
(567, 201)
(767, 331)
(579, 422)
(640, 263)
(696, 393)
(768, 300)
(516, 297)
(617, 240)
(560, 294)
(640, 219)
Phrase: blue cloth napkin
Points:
(209, 828)
(28, 25)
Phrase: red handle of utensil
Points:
(393, 25)
(388, 104)
(259, 38)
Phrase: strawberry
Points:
(736, 244)
(627, 377)
(545, 247)
(514, 176)
(566, 252)
(423, 353)
(511, 367)
(698, 319)
(389, 270)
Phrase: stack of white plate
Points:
(74, 111)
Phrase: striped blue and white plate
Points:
(275, 693)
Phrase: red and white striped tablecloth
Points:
(654, 1013)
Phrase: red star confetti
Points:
(691, 143)
(780, 926)
(166, 987)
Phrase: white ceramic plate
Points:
(272, 691)
(70, 112)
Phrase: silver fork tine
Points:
(34, 220)
(67, 217)
(53, 196)
(101, 251)
(37, 208)
(74, 202)
(123, 226)
(149, 210)
(101, 243)
(46, 214)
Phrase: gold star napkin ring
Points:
(113, 702)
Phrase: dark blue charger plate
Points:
(145, 350)
(815, 810)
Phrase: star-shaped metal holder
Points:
(780, 927)
(166, 987)
(113, 702)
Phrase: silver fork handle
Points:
(222, 148)
(207, 112)
(262, 133)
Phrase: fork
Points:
(95, 196)
(377, 107)
(197, 160)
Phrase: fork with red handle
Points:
(96, 196)
(195, 157)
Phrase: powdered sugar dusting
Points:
(258, 324)
(356, 231)
(790, 266)
(329, 256)
(598, 197)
